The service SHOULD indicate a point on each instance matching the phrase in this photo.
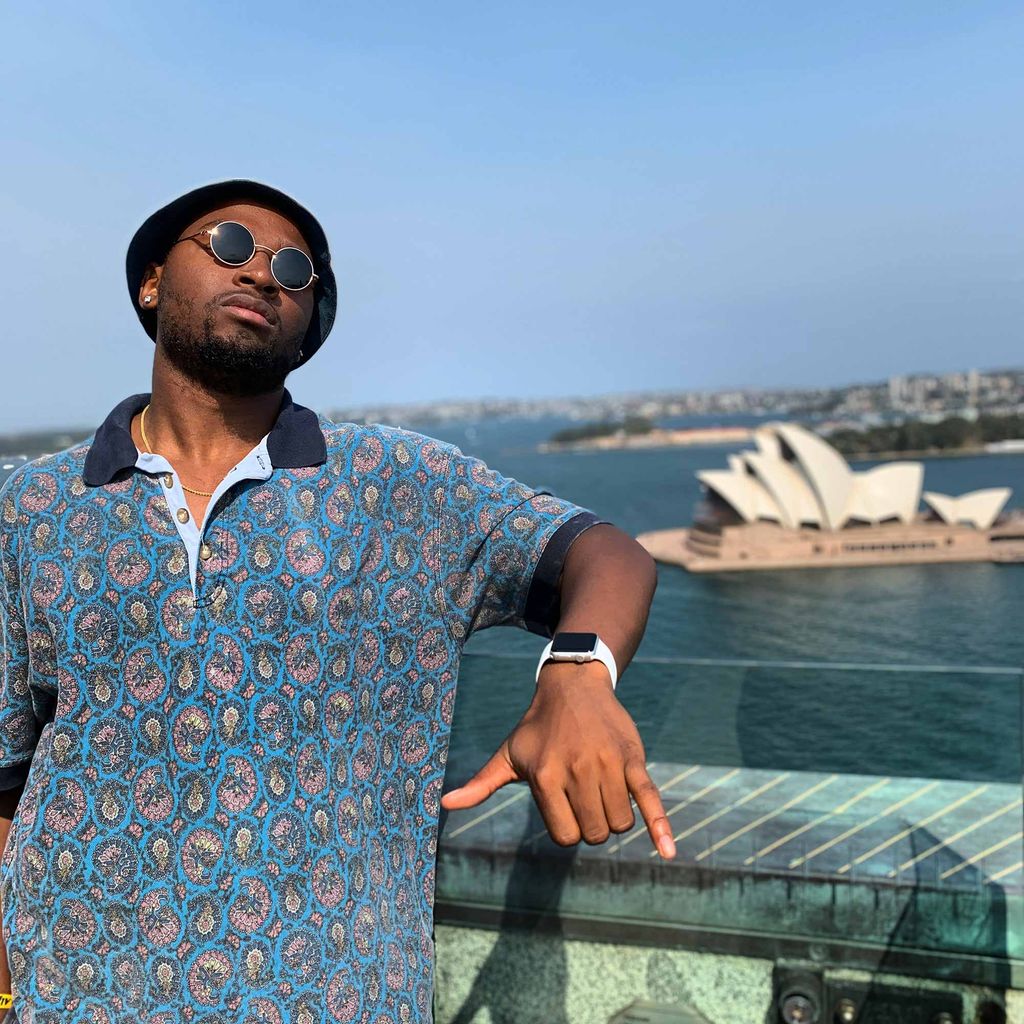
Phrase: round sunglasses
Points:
(232, 243)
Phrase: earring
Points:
(148, 299)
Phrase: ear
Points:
(150, 287)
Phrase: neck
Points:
(200, 427)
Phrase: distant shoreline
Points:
(689, 437)
(925, 453)
(718, 436)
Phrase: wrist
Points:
(569, 675)
(578, 648)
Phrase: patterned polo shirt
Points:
(233, 734)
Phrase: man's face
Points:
(233, 330)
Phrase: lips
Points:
(249, 308)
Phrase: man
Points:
(232, 630)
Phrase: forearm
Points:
(576, 745)
(608, 582)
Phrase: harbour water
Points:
(955, 725)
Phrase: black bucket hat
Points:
(153, 241)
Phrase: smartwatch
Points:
(578, 647)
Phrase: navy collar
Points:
(295, 441)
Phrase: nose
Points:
(256, 274)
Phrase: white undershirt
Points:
(255, 466)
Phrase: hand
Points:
(582, 755)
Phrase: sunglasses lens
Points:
(292, 268)
(232, 243)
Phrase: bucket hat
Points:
(153, 240)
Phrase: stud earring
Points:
(148, 299)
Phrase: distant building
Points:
(793, 501)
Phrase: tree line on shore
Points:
(629, 425)
(915, 436)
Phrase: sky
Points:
(529, 200)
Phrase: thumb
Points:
(496, 773)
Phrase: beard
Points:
(235, 363)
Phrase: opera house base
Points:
(793, 503)
(746, 546)
(772, 877)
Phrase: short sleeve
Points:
(19, 728)
(502, 549)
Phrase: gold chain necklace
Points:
(145, 441)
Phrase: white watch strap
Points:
(602, 653)
(544, 655)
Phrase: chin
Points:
(236, 364)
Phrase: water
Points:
(913, 723)
(951, 614)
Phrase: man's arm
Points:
(576, 745)
(8, 805)
(608, 583)
(19, 728)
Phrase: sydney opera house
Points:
(794, 502)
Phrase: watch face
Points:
(574, 643)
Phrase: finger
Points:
(553, 804)
(648, 799)
(588, 809)
(496, 773)
(618, 809)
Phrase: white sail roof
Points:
(885, 492)
(825, 469)
(744, 493)
(795, 478)
(787, 486)
(767, 441)
(977, 508)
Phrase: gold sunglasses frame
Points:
(314, 277)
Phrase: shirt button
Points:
(168, 481)
(182, 515)
(205, 552)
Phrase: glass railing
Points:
(866, 817)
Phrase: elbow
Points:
(643, 567)
(646, 567)
(652, 571)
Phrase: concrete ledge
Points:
(543, 977)
(919, 876)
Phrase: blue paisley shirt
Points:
(232, 735)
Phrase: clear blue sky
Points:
(532, 199)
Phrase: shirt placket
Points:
(198, 549)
